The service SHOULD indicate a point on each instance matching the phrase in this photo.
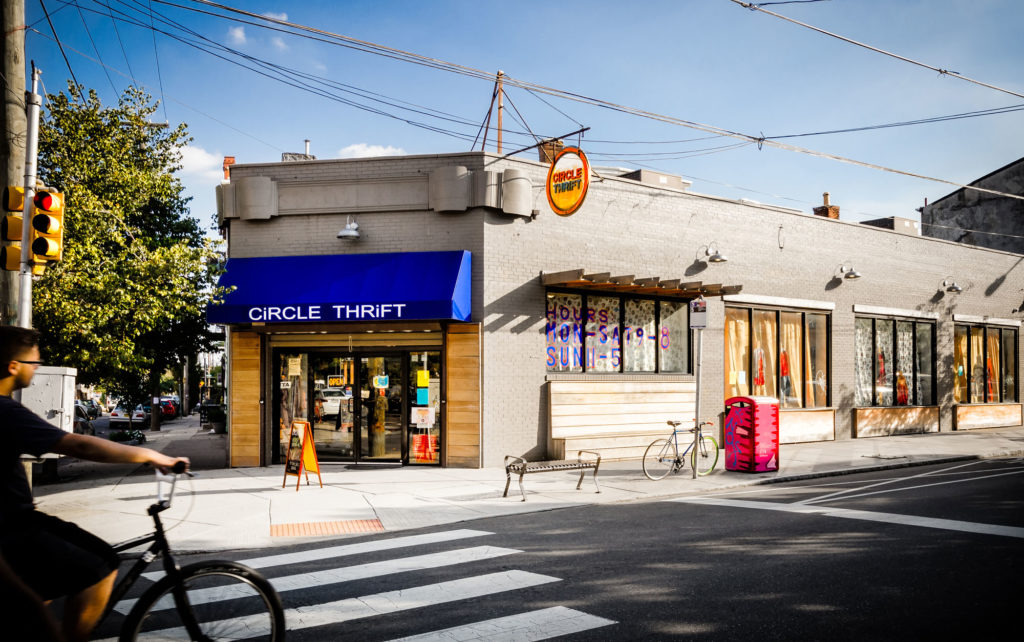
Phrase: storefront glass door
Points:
(362, 407)
(380, 407)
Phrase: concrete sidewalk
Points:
(225, 509)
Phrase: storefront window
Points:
(1009, 360)
(894, 364)
(604, 349)
(674, 336)
(763, 367)
(293, 387)
(564, 333)
(425, 407)
(863, 368)
(960, 364)
(788, 358)
(924, 364)
(985, 364)
(639, 338)
(816, 360)
(737, 352)
(790, 373)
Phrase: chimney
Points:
(826, 210)
(228, 162)
(549, 149)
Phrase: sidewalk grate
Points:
(342, 527)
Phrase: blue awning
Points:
(346, 287)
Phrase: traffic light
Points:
(10, 254)
(48, 226)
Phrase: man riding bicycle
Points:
(51, 556)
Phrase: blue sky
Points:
(709, 61)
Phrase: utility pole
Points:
(501, 104)
(12, 130)
(31, 151)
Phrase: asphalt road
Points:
(915, 553)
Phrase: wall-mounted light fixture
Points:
(849, 272)
(951, 286)
(350, 232)
(714, 256)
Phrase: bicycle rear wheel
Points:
(219, 601)
(659, 459)
(705, 455)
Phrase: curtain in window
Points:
(992, 371)
(960, 369)
(923, 365)
(674, 336)
(863, 368)
(564, 330)
(790, 373)
(904, 362)
(1009, 365)
(884, 362)
(639, 340)
(603, 348)
(737, 352)
(977, 379)
(762, 366)
(816, 360)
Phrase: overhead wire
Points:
(59, 45)
(944, 72)
(120, 41)
(156, 55)
(573, 96)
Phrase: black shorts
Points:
(55, 557)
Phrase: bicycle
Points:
(663, 457)
(210, 600)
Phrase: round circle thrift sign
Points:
(568, 179)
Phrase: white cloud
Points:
(236, 35)
(200, 165)
(276, 16)
(278, 43)
(363, 150)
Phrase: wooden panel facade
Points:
(990, 415)
(798, 426)
(617, 418)
(881, 422)
(243, 405)
(462, 394)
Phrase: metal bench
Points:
(521, 467)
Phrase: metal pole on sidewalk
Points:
(33, 102)
(696, 402)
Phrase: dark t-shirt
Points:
(21, 432)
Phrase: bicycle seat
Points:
(673, 423)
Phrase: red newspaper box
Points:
(752, 434)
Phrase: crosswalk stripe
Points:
(870, 516)
(305, 617)
(542, 624)
(267, 561)
(336, 575)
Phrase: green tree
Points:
(129, 298)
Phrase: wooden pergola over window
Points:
(605, 282)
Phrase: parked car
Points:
(330, 400)
(82, 425)
(141, 414)
(92, 408)
(119, 417)
(167, 409)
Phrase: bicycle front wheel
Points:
(705, 455)
(213, 601)
(659, 459)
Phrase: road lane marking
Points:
(321, 578)
(349, 549)
(896, 490)
(542, 624)
(305, 617)
(883, 483)
(870, 516)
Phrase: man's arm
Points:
(109, 452)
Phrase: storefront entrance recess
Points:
(363, 407)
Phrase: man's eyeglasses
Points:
(28, 363)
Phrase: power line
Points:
(113, 23)
(944, 72)
(94, 48)
(156, 55)
(567, 95)
(56, 39)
